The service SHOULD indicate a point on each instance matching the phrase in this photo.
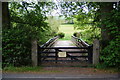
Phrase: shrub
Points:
(75, 34)
(111, 54)
(61, 34)
(16, 47)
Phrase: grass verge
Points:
(28, 69)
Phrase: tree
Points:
(106, 16)
(5, 15)
(105, 10)
(28, 22)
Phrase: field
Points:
(68, 29)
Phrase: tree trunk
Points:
(5, 15)
(105, 9)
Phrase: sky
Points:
(58, 11)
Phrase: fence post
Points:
(90, 53)
(34, 53)
(96, 51)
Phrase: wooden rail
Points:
(79, 42)
(50, 42)
(45, 47)
(55, 50)
(58, 49)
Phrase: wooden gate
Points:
(48, 53)
(52, 54)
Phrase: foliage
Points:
(61, 34)
(28, 21)
(111, 55)
(75, 34)
(90, 33)
(102, 17)
(16, 47)
(54, 24)
(83, 14)
(82, 20)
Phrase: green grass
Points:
(68, 29)
(22, 69)
(28, 69)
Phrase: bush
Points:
(111, 54)
(61, 34)
(16, 47)
(75, 34)
(16, 44)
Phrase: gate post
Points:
(34, 53)
(90, 53)
(96, 51)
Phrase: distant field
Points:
(68, 29)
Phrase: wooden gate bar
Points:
(64, 48)
(67, 56)
(66, 52)
(63, 60)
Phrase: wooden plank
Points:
(64, 60)
(64, 48)
(66, 52)
(66, 57)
